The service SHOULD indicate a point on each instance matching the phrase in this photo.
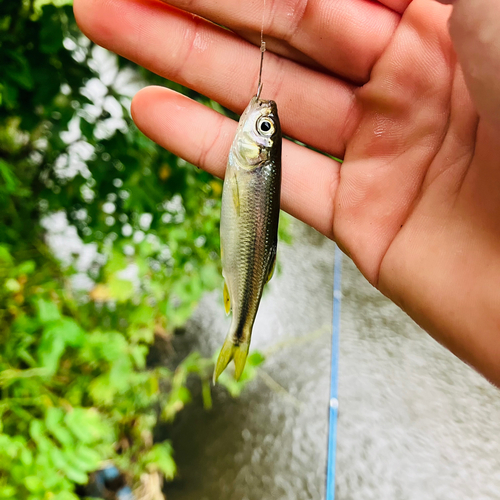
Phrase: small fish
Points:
(249, 223)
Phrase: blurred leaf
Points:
(17, 69)
(11, 182)
(26, 267)
(255, 359)
(55, 425)
(120, 290)
(159, 458)
(11, 375)
(12, 285)
(55, 338)
(36, 430)
(5, 256)
(51, 33)
(34, 484)
(88, 425)
(47, 311)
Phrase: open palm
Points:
(416, 202)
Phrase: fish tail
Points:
(232, 349)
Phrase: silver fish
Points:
(249, 224)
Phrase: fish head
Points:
(258, 137)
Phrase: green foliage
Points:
(85, 198)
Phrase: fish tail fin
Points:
(231, 350)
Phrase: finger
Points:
(474, 28)
(345, 36)
(203, 137)
(314, 107)
(396, 5)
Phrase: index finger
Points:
(346, 37)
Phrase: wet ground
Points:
(415, 422)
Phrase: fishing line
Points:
(262, 50)
(334, 378)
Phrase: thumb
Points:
(475, 32)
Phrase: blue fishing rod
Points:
(334, 378)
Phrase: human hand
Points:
(416, 202)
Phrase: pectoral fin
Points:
(227, 299)
(236, 194)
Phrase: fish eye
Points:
(265, 126)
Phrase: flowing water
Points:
(415, 423)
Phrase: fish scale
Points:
(253, 248)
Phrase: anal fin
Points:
(272, 264)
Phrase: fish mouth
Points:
(267, 104)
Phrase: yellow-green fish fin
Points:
(240, 358)
(227, 299)
(230, 351)
(272, 265)
(236, 194)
